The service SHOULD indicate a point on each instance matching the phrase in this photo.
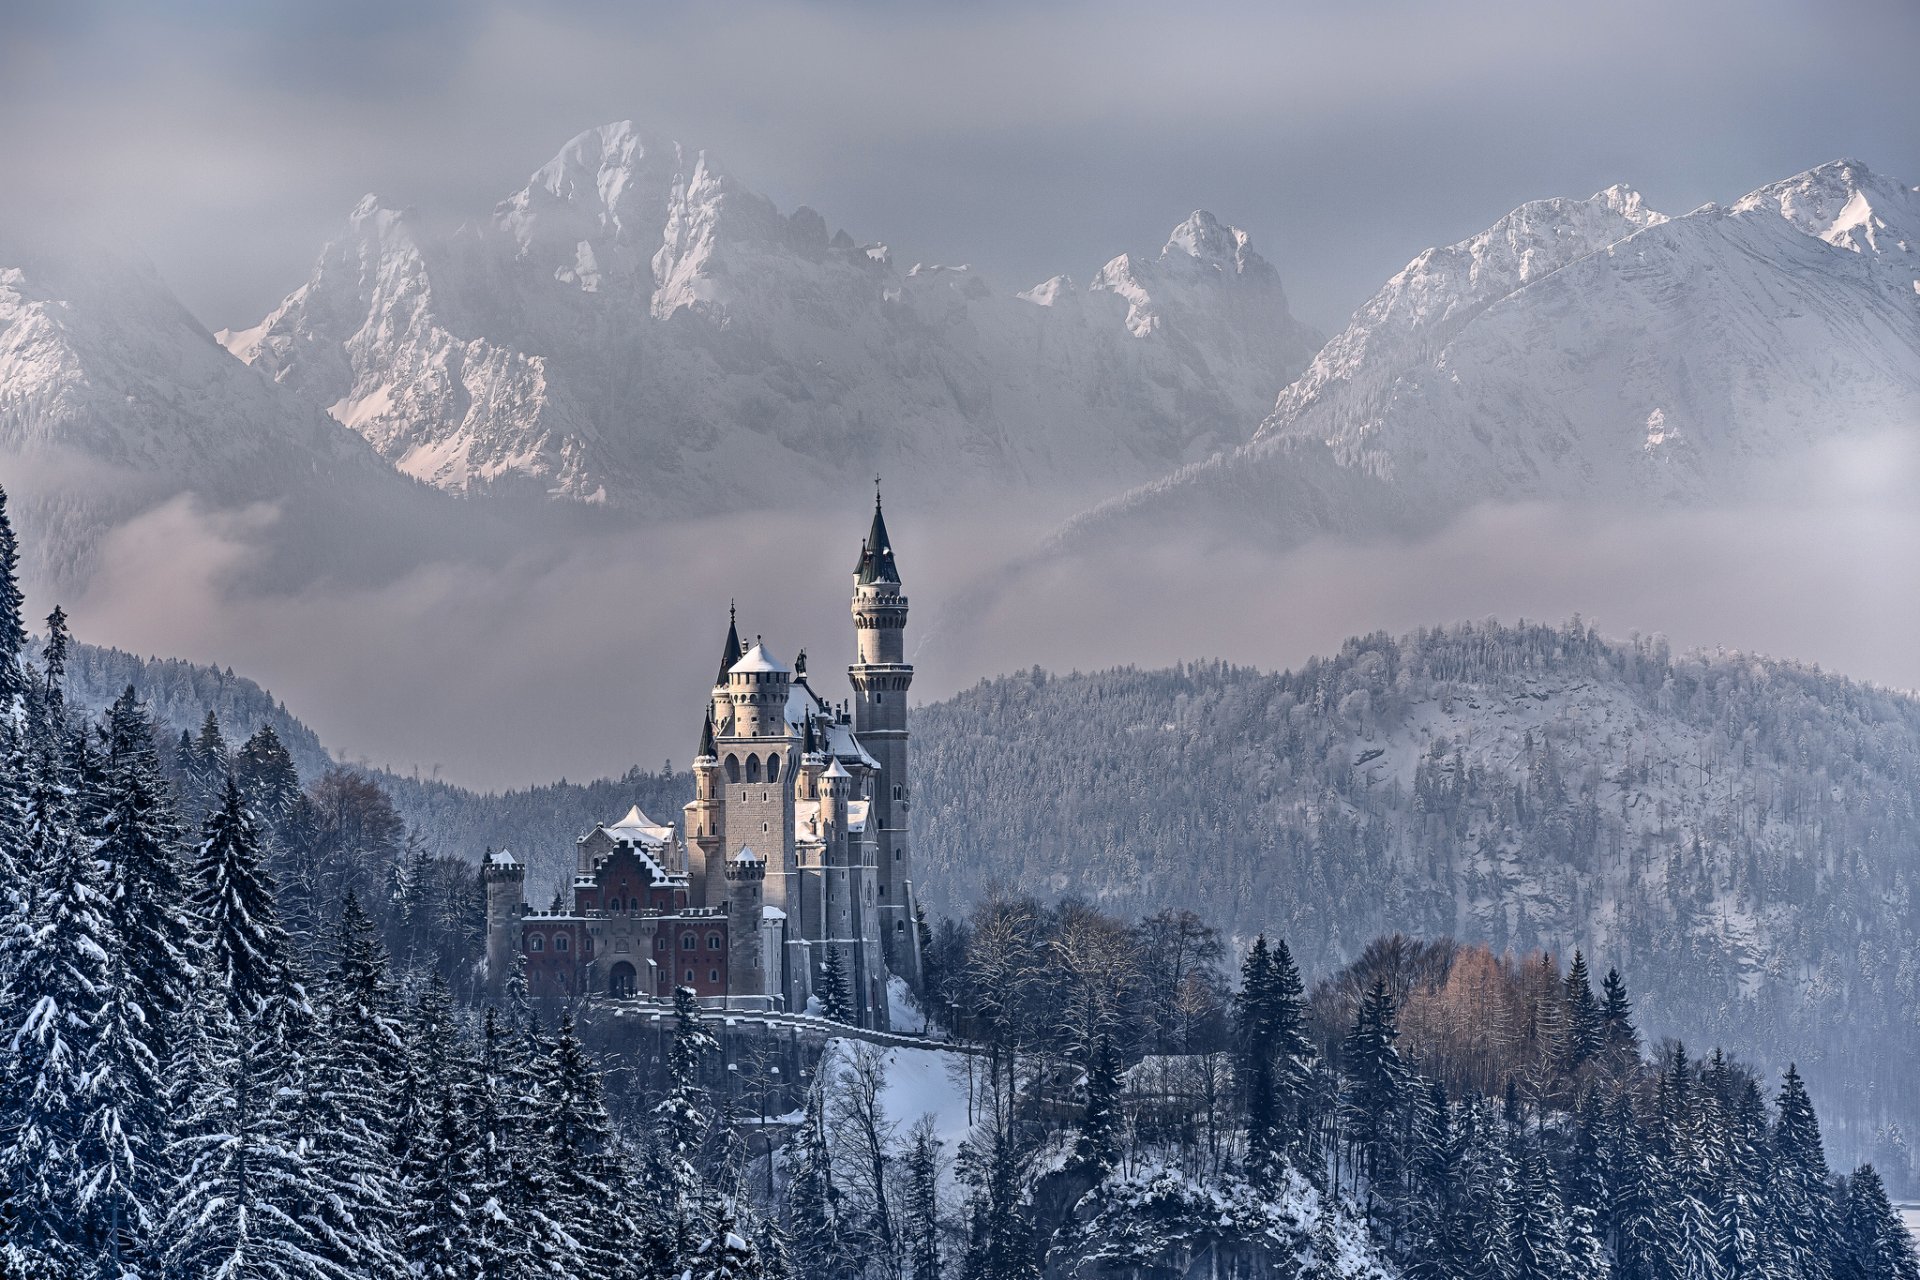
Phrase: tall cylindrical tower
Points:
(881, 677)
(506, 886)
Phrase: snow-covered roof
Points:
(856, 815)
(501, 858)
(844, 746)
(758, 659)
(637, 826)
(836, 770)
(802, 701)
(746, 854)
(772, 913)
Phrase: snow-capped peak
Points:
(1204, 241)
(1850, 207)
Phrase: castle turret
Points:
(748, 952)
(881, 677)
(506, 886)
(703, 817)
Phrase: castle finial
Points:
(876, 491)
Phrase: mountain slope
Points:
(1739, 835)
(114, 399)
(636, 327)
(1592, 351)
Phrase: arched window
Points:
(660, 943)
(713, 942)
(688, 942)
(559, 942)
(713, 975)
(753, 768)
(773, 767)
(733, 767)
(689, 977)
(613, 904)
(536, 943)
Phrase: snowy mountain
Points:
(1590, 351)
(114, 399)
(637, 327)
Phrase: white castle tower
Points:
(881, 677)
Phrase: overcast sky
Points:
(231, 139)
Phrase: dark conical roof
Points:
(707, 747)
(732, 653)
(807, 744)
(876, 553)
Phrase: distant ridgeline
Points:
(1741, 833)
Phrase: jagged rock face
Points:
(1590, 351)
(639, 328)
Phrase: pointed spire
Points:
(731, 653)
(707, 747)
(807, 744)
(876, 553)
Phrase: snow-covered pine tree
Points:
(1585, 1028)
(208, 766)
(443, 1228)
(1377, 1081)
(1620, 1041)
(813, 1201)
(1538, 1228)
(139, 844)
(1096, 1150)
(1255, 1070)
(682, 1120)
(1801, 1196)
(246, 952)
(1875, 1245)
(244, 1184)
(57, 989)
(576, 1139)
(1740, 1185)
(726, 1254)
(923, 1201)
(267, 777)
(1001, 1243)
(1642, 1226)
(836, 999)
(13, 629)
(346, 1113)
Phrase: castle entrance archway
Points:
(620, 980)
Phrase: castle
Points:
(790, 873)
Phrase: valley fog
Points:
(585, 654)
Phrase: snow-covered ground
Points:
(922, 1082)
(1910, 1214)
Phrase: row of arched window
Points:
(753, 768)
(538, 942)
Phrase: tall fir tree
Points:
(923, 1201)
(1585, 1026)
(13, 629)
(247, 953)
(347, 1115)
(836, 999)
(1874, 1244)
(58, 987)
(682, 1122)
(1802, 1222)
(1377, 1081)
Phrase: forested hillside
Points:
(1743, 832)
